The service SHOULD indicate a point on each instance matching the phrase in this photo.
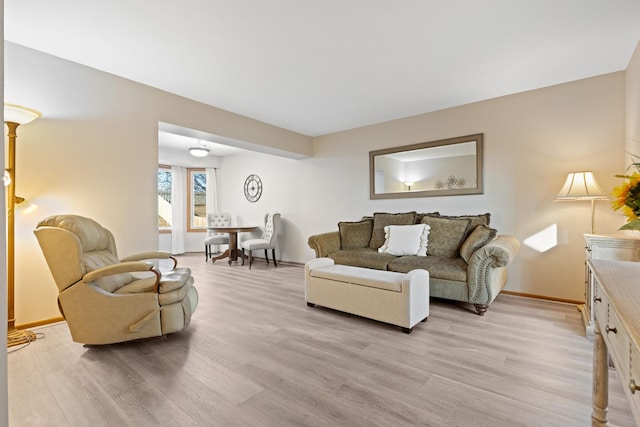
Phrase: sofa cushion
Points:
(446, 235)
(405, 240)
(354, 235)
(364, 257)
(479, 237)
(419, 216)
(381, 220)
(476, 220)
(438, 267)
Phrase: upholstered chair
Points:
(105, 299)
(269, 239)
(216, 219)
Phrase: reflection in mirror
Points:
(438, 168)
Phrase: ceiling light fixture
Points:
(199, 151)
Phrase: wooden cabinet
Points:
(616, 302)
(615, 247)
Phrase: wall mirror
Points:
(446, 167)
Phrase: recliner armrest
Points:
(151, 255)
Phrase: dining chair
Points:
(216, 219)
(269, 239)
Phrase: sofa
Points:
(466, 259)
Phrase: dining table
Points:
(232, 252)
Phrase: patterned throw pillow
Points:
(477, 239)
(476, 220)
(381, 220)
(446, 235)
(355, 235)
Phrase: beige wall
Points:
(632, 107)
(532, 140)
(95, 152)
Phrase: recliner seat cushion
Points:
(175, 279)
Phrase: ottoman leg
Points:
(407, 330)
(310, 304)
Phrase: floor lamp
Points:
(582, 186)
(14, 116)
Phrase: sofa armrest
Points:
(325, 243)
(485, 281)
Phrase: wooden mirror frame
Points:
(438, 146)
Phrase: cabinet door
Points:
(633, 381)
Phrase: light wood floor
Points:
(256, 355)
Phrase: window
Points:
(197, 200)
(164, 198)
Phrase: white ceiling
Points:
(317, 67)
(181, 142)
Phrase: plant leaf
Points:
(631, 225)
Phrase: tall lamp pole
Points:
(14, 116)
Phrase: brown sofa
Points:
(466, 259)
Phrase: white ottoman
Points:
(396, 298)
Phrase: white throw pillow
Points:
(405, 240)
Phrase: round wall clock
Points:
(253, 188)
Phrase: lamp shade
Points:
(581, 186)
(17, 114)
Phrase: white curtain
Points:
(178, 209)
(212, 197)
(212, 190)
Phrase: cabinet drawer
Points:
(600, 306)
(618, 344)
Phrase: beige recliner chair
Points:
(106, 300)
